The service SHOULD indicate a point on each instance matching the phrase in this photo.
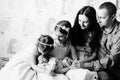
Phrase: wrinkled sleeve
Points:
(108, 59)
(93, 66)
(115, 51)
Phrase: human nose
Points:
(82, 24)
(99, 20)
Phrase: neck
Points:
(109, 27)
(61, 44)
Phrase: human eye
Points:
(86, 22)
(79, 20)
(99, 17)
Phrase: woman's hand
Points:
(75, 64)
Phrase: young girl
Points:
(24, 65)
(62, 47)
(46, 62)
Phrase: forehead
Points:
(103, 12)
(83, 17)
(58, 33)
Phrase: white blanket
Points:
(81, 74)
(18, 68)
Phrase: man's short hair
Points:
(110, 7)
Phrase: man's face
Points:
(103, 18)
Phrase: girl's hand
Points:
(75, 65)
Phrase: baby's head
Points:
(45, 43)
(62, 30)
(41, 59)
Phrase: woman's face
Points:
(83, 21)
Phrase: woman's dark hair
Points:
(90, 13)
(78, 34)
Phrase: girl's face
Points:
(83, 21)
(59, 36)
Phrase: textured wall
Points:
(22, 21)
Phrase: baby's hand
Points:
(75, 62)
(73, 67)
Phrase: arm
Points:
(91, 58)
(113, 57)
(98, 64)
(73, 52)
(38, 69)
(109, 59)
(62, 70)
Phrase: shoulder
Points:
(30, 50)
(117, 28)
(53, 60)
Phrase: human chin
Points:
(83, 27)
(102, 26)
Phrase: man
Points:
(108, 63)
(110, 50)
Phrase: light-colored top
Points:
(110, 50)
(60, 52)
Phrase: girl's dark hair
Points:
(63, 23)
(46, 40)
(78, 34)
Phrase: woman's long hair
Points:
(78, 34)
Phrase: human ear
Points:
(113, 17)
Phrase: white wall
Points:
(22, 21)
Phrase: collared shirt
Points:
(111, 40)
(109, 53)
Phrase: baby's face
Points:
(42, 59)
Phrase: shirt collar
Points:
(110, 30)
